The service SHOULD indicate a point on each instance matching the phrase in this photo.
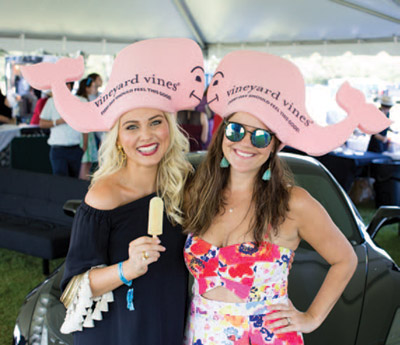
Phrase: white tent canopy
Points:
(295, 27)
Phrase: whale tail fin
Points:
(364, 115)
(43, 76)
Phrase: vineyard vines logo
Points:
(145, 80)
(255, 91)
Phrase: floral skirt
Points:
(219, 323)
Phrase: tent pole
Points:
(190, 22)
(367, 10)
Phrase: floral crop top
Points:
(253, 274)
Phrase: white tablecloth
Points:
(8, 133)
(394, 155)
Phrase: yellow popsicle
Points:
(156, 213)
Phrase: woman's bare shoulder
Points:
(104, 194)
(300, 200)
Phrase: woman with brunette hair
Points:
(245, 216)
(120, 285)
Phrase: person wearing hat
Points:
(379, 142)
(121, 285)
(244, 214)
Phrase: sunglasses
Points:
(235, 132)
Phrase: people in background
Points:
(27, 105)
(87, 87)
(98, 82)
(5, 110)
(380, 142)
(65, 151)
(13, 102)
(195, 126)
(39, 107)
(204, 108)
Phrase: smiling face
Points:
(144, 136)
(243, 156)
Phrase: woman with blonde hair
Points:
(132, 287)
(245, 216)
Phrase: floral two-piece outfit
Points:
(258, 275)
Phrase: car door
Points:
(309, 268)
(380, 320)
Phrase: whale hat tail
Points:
(163, 73)
(366, 116)
(45, 74)
(272, 89)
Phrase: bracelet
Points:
(129, 294)
(54, 123)
(122, 277)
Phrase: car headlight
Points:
(47, 317)
(38, 333)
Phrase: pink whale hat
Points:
(163, 73)
(272, 89)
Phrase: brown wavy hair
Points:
(204, 197)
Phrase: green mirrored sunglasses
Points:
(235, 132)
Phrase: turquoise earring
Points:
(267, 175)
(224, 163)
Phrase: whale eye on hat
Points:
(164, 73)
(272, 89)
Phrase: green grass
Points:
(21, 273)
(388, 236)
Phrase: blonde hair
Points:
(173, 168)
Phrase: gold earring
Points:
(121, 156)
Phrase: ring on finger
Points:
(289, 322)
(145, 256)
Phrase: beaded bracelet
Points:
(129, 294)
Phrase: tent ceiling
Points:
(105, 26)
(290, 21)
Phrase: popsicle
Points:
(156, 212)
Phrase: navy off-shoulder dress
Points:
(102, 237)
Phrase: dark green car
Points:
(368, 312)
